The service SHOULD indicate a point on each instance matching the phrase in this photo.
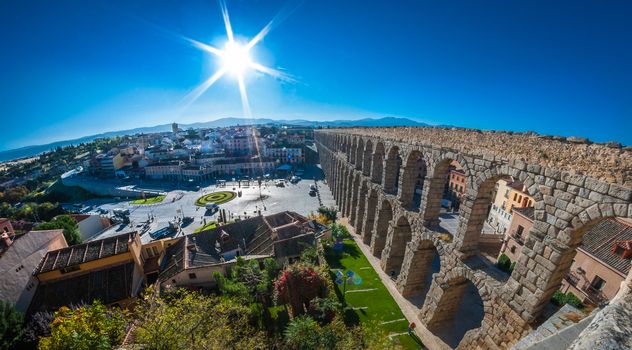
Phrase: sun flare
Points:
(235, 58)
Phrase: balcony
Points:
(517, 237)
(595, 295)
(571, 279)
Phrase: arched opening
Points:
(382, 222)
(353, 203)
(377, 164)
(358, 223)
(458, 296)
(585, 273)
(443, 196)
(425, 262)
(496, 225)
(412, 180)
(366, 158)
(369, 221)
(395, 248)
(392, 167)
(359, 159)
(353, 150)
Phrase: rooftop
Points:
(277, 234)
(601, 238)
(82, 253)
(108, 285)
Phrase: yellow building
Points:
(110, 269)
(510, 194)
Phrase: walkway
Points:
(409, 309)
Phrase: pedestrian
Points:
(411, 327)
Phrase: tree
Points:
(323, 310)
(302, 333)
(15, 194)
(339, 231)
(330, 214)
(190, 320)
(86, 328)
(11, 325)
(68, 224)
(37, 326)
(297, 286)
(309, 255)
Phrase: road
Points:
(267, 199)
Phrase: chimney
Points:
(7, 240)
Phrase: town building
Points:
(90, 225)
(193, 259)
(509, 194)
(18, 261)
(109, 269)
(602, 262)
(293, 155)
(521, 223)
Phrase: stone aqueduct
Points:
(362, 167)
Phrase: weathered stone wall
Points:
(567, 203)
(608, 161)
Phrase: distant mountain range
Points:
(30, 151)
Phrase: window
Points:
(192, 276)
(598, 283)
(515, 196)
(519, 230)
(513, 249)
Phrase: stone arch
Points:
(392, 165)
(435, 186)
(369, 216)
(399, 234)
(422, 261)
(358, 223)
(382, 223)
(377, 164)
(359, 159)
(477, 206)
(353, 150)
(456, 294)
(353, 202)
(413, 175)
(552, 259)
(366, 158)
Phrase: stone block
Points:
(620, 209)
(596, 185)
(595, 196)
(620, 192)
(606, 209)
(594, 212)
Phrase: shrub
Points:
(560, 299)
(87, 327)
(11, 325)
(68, 224)
(504, 263)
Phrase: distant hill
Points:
(30, 151)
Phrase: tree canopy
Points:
(68, 224)
(89, 327)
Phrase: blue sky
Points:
(75, 68)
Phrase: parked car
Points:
(313, 187)
(279, 183)
(295, 179)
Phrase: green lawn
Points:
(208, 226)
(151, 200)
(374, 303)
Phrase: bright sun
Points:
(235, 58)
